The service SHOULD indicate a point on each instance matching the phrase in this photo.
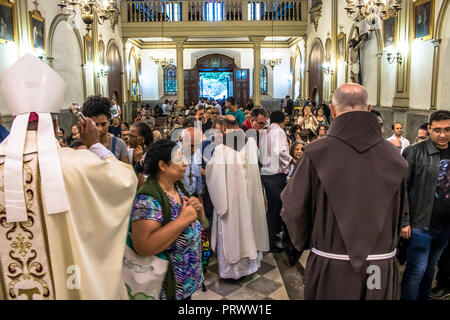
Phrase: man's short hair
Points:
(351, 96)
(439, 116)
(217, 121)
(377, 113)
(229, 123)
(258, 111)
(288, 97)
(189, 122)
(231, 100)
(97, 105)
(393, 125)
(424, 126)
(277, 117)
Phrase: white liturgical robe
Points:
(239, 230)
(71, 255)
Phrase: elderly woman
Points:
(181, 237)
(296, 153)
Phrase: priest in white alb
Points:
(239, 231)
(64, 213)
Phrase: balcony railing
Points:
(210, 10)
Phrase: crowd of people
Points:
(238, 181)
(240, 222)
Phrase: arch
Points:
(437, 54)
(114, 62)
(59, 18)
(264, 79)
(316, 56)
(170, 80)
(295, 72)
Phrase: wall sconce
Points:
(327, 69)
(102, 70)
(393, 55)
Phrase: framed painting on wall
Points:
(87, 49)
(37, 24)
(8, 29)
(341, 46)
(423, 19)
(390, 32)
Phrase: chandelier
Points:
(105, 10)
(372, 10)
(162, 61)
(273, 59)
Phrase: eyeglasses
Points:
(439, 131)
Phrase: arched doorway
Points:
(216, 76)
(115, 73)
(315, 71)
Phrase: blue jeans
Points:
(422, 256)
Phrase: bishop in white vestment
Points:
(64, 213)
(239, 230)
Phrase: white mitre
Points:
(32, 86)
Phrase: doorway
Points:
(215, 85)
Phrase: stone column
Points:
(256, 41)
(334, 31)
(179, 43)
(435, 77)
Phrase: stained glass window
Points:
(263, 79)
(170, 80)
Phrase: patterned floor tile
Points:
(269, 258)
(265, 267)
(274, 275)
(223, 287)
(264, 286)
(245, 294)
(208, 295)
(210, 277)
(280, 294)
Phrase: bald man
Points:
(345, 202)
(190, 141)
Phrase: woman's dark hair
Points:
(64, 133)
(294, 128)
(126, 125)
(145, 131)
(294, 145)
(97, 105)
(231, 100)
(160, 150)
(76, 143)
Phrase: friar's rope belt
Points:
(347, 258)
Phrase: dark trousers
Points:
(443, 275)
(274, 185)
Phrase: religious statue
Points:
(354, 48)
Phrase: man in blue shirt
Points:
(233, 110)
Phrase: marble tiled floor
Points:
(266, 284)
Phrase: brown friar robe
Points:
(348, 196)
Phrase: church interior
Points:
(145, 52)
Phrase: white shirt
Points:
(405, 142)
(274, 156)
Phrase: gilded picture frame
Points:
(342, 46)
(390, 29)
(423, 20)
(37, 30)
(88, 54)
(8, 23)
